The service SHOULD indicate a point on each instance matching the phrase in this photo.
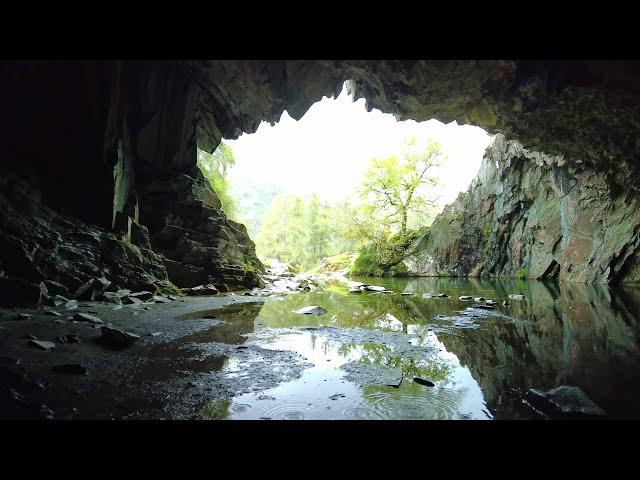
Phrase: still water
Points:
(362, 362)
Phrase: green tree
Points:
(302, 231)
(394, 185)
(282, 235)
(214, 166)
(317, 230)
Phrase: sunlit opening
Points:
(307, 189)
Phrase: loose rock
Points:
(42, 345)
(85, 317)
(68, 339)
(118, 338)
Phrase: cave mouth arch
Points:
(114, 143)
(326, 153)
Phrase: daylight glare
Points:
(327, 151)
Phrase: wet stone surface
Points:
(372, 355)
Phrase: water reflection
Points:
(560, 334)
(481, 361)
(327, 391)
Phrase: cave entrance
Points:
(305, 190)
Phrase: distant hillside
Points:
(253, 199)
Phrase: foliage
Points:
(305, 231)
(521, 273)
(214, 166)
(393, 187)
(376, 258)
(335, 263)
(377, 222)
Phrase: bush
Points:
(385, 257)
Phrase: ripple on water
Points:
(293, 416)
(240, 407)
(274, 410)
(360, 413)
(409, 405)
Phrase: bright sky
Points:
(330, 147)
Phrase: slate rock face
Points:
(199, 243)
(530, 213)
(50, 247)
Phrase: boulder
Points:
(563, 401)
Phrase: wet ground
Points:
(243, 357)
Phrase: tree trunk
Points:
(403, 225)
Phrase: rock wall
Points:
(46, 253)
(564, 334)
(534, 215)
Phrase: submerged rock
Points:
(424, 381)
(389, 322)
(465, 298)
(374, 288)
(434, 295)
(563, 401)
(483, 306)
(364, 374)
(311, 310)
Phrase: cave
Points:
(101, 194)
